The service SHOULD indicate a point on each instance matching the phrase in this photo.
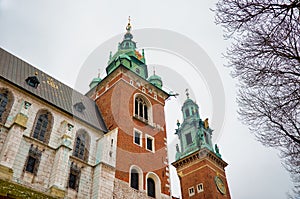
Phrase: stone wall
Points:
(122, 190)
(48, 176)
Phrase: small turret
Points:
(95, 81)
(190, 109)
(155, 80)
(193, 133)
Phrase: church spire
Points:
(128, 55)
(193, 133)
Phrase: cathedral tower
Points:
(199, 165)
(133, 104)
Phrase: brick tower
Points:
(133, 104)
(199, 166)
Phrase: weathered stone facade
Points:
(53, 170)
(58, 143)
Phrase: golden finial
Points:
(178, 123)
(128, 27)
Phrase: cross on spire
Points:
(187, 93)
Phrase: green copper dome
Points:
(155, 80)
(95, 82)
(190, 109)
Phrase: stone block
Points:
(6, 173)
(57, 192)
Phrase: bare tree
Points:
(265, 59)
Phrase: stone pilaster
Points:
(104, 171)
(60, 166)
(12, 142)
(103, 181)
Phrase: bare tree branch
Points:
(265, 59)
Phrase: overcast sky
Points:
(59, 37)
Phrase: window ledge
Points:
(140, 145)
(38, 142)
(78, 160)
(141, 119)
(150, 150)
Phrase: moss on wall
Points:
(17, 191)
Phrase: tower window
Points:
(187, 112)
(141, 109)
(134, 179)
(151, 187)
(43, 126)
(188, 138)
(33, 160)
(74, 177)
(199, 188)
(197, 113)
(137, 138)
(149, 143)
(191, 191)
(81, 145)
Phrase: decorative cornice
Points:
(198, 156)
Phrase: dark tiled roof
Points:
(49, 89)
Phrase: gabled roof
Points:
(16, 71)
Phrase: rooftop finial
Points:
(153, 70)
(187, 93)
(128, 27)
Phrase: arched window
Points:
(6, 101)
(3, 102)
(187, 112)
(81, 146)
(43, 126)
(206, 138)
(141, 109)
(153, 185)
(134, 179)
(150, 187)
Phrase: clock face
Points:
(220, 185)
